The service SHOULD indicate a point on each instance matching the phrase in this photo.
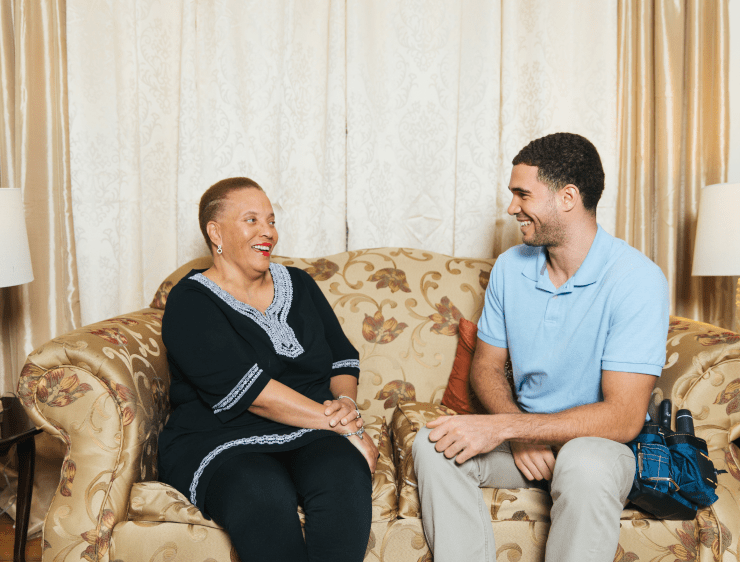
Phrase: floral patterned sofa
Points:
(102, 390)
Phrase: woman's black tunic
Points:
(222, 353)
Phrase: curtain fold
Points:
(34, 155)
(673, 114)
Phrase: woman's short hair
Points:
(212, 201)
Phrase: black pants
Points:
(254, 497)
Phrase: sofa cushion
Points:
(458, 395)
(155, 501)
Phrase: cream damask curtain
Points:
(34, 156)
(167, 98)
(674, 139)
(443, 94)
(390, 122)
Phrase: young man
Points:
(584, 319)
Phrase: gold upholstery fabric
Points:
(102, 390)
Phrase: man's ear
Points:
(214, 232)
(570, 195)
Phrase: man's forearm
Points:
(592, 420)
(490, 385)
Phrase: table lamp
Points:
(15, 257)
(717, 245)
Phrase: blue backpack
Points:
(674, 475)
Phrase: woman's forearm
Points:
(282, 404)
(344, 385)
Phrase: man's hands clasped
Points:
(535, 462)
(463, 437)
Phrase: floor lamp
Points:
(15, 269)
(717, 246)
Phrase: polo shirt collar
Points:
(588, 273)
(596, 259)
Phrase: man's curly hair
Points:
(563, 158)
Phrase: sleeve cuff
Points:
(641, 368)
(346, 367)
(492, 341)
(242, 395)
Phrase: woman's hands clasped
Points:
(345, 418)
(342, 411)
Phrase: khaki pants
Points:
(589, 489)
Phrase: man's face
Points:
(535, 206)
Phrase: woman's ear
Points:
(214, 232)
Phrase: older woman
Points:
(263, 393)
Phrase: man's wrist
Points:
(508, 425)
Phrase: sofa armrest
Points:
(702, 374)
(103, 390)
(719, 525)
(408, 418)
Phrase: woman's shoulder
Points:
(188, 291)
(295, 274)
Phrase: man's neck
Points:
(564, 260)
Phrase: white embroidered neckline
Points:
(256, 440)
(275, 319)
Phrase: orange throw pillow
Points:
(458, 395)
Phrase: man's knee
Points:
(422, 446)
(589, 464)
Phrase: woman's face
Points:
(247, 227)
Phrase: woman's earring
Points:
(219, 250)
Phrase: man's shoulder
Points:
(518, 256)
(631, 263)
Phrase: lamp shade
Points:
(717, 246)
(15, 257)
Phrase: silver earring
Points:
(219, 250)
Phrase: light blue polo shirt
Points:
(611, 315)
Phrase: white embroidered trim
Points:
(256, 440)
(275, 320)
(239, 390)
(346, 363)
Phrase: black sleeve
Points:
(218, 362)
(345, 359)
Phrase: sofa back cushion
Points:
(400, 308)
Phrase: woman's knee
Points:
(332, 466)
(259, 483)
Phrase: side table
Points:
(17, 429)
